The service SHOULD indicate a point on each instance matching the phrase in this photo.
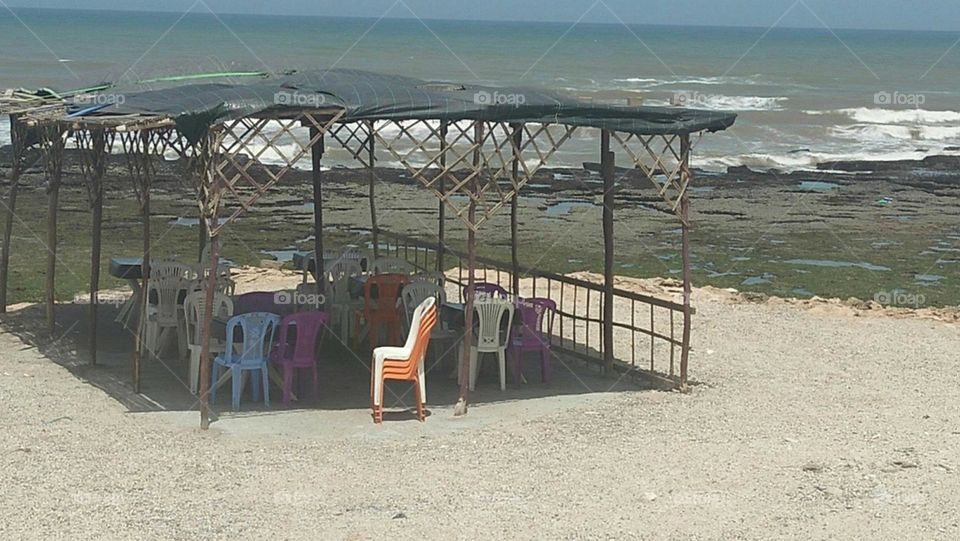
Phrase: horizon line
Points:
(493, 21)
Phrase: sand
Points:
(803, 423)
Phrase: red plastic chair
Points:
(302, 353)
(404, 363)
(380, 294)
(531, 336)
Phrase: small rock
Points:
(833, 492)
(399, 515)
(814, 467)
(649, 496)
(905, 464)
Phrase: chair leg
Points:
(236, 381)
(254, 385)
(546, 370)
(316, 383)
(287, 383)
(265, 381)
(516, 358)
(502, 358)
(215, 377)
(194, 369)
(421, 412)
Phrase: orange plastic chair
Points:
(404, 363)
(380, 294)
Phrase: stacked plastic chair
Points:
(404, 363)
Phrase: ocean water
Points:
(803, 96)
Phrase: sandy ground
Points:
(804, 423)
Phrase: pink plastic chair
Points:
(301, 354)
(530, 335)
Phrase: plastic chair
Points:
(487, 289)
(380, 296)
(308, 298)
(530, 335)
(194, 307)
(163, 312)
(171, 267)
(492, 335)
(391, 265)
(302, 354)
(435, 277)
(340, 304)
(404, 363)
(259, 329)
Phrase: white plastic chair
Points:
(194, 307)
(434, 277)
(492, 336)
(391, 265)
(339, 303)
(163, 312)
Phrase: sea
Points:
(803, 96)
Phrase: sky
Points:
(940, 15)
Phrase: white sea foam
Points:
(895, 116)
(879, 133)
(803, 161)
(4, 131)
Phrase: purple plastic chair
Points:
(530, 335)
(302, 353)
(489, 289)
(261, 301)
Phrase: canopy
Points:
(373, 96)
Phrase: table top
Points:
(128, 268)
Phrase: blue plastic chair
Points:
(259, 329)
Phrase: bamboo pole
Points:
(97, 169)
(441, 205)
(514, 203)
(372, 176)
(685, 249)
(316, 155)
(54, 175)
(15, 170)
(607, 161)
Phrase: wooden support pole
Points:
(54, 175)
(201, 239)
(373, 177)
(465, 365)
(685, 249)
(205, 358)
(97, 169)
(514, 203)
(138, 335)
(16, 168)
(441, 205)
(316, 155)
(607, 161)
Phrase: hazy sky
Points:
(880, 14)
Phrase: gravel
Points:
(800, 424)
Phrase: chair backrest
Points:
(534, 313)
(261, 301)
(163, 295)
(168, 267)
(492, 333)
(434, 277)
(415, 293)
(194, 307)
(307, 326)
(391, 265)
(487, 289)
(381, 292)
(339, 274)
(418, 339)
(259, 330)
